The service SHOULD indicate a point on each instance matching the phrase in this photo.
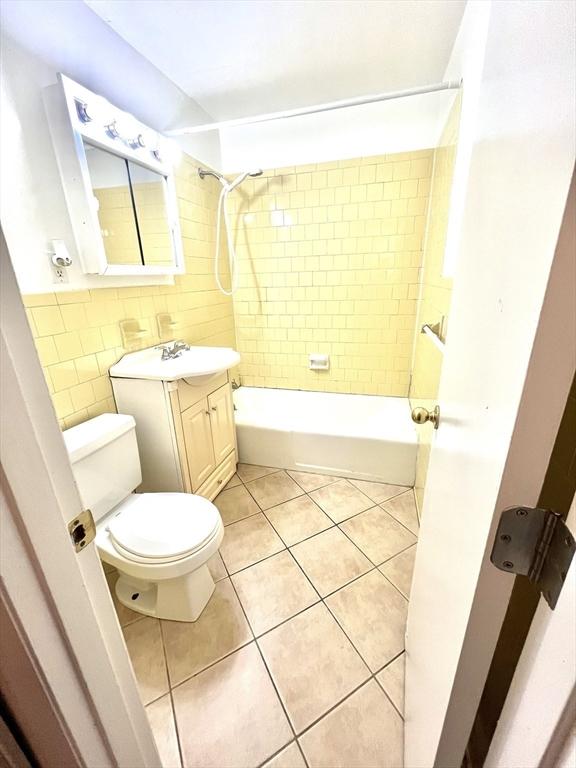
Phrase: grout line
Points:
(307, 537)
(304, 493)
(384, 689)
(401, 552)
(395, 587)
(381, 505)
(322, 599)
(334, 706)
(278, 752)
(278, 694)
(265, 665)
(267, 557)
(241, 519)
(173, 708)
(212, 664)
(280, 503)
(275, 471)
(324, 485)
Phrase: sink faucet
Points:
(171, 352)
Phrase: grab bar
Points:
(433, 333)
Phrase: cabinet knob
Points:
(207, 413)
(214, 408)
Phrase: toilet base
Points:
(180, 599)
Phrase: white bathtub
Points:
(361, 436)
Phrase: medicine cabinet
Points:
(119, 184)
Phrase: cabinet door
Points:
(198, 441)
(222, 419)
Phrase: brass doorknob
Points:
(422, 415)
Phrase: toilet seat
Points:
(162, 527)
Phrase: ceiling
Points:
(243, 57)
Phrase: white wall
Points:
(466, 63)
(401, 125)
(39, 40)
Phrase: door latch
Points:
(535, 543)
(82, 530)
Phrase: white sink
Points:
(197, 363)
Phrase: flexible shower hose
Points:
(231, 252)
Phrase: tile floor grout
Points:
(307, 493)
(255, 637)
(373, 675)
(321, 599)
(174, 719)
(267, 670)
(230, 575)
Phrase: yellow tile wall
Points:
(77, 334)
(152, 222)
(329, 258)
(117, 225)
(436, 291)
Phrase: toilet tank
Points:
(104, 457)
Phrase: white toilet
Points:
(160, 543)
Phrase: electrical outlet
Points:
(59, 274)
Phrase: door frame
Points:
(58, 601)
(538, 715)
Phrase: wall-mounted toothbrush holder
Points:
(318, 362)
(132, 334)
(167, 326)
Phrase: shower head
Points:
(239, 179)
(229, 186)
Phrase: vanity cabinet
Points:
(209, 435)
(186, 434)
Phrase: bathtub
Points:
(360, 436)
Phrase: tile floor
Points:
(298, 659)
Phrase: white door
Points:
(508, 364)
(222, 421)
(540, 708)
(56, 601)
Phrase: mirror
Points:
(148, 189)
(130, 202)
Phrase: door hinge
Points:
(535, 543)
(82, 530)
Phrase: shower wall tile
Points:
(329, 258)
(77, 334)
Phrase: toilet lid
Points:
(164, 525)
